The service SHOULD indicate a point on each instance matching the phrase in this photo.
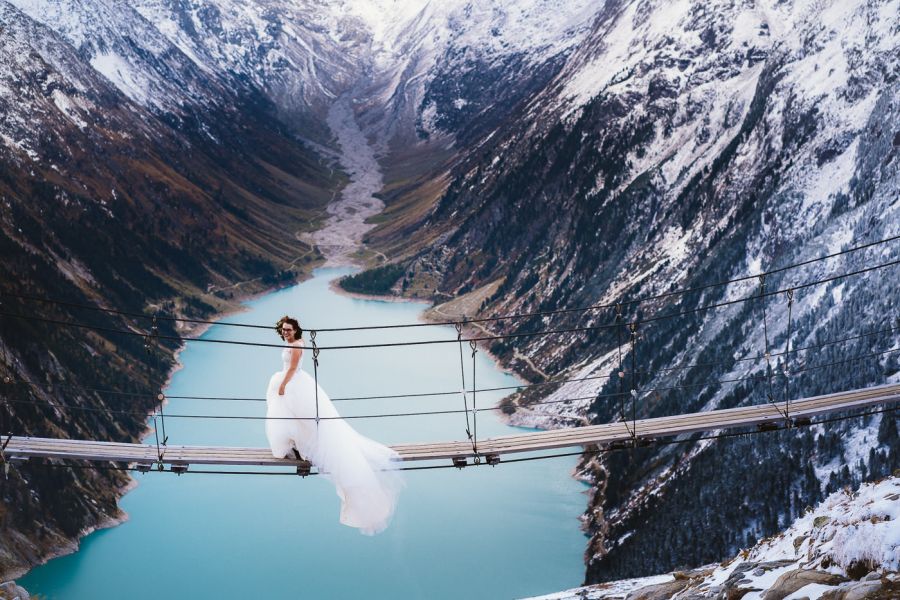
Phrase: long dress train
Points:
(362, 470)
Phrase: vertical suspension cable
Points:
(621, 366)
(633, 328)
(462, 374)
(5, 427)
(6, 424)
(159, 450)
(151, 345)
(787, 358)
(315, 349)
(768, 354)
(474, 346)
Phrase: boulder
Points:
(736, 593)
(857, 590)
(660, 591)
(10, 591)
(792, 581)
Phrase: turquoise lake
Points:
(481, 532)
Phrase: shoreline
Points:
(198, 329)
(193, 330)
(337, 289)
(80, 567)
(74, 545)
(189, 329)
(468, 330)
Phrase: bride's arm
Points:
(296, 353)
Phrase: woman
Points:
(362, 470)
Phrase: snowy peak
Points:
(171, 54)
(176, 56)
(676, 60)
(539, 27)
(435, 64)
(50, 97)
(301, 55)
(122, 46)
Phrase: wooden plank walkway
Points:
(179, 457)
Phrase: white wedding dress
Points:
(363, 471)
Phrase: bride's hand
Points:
(281, 390)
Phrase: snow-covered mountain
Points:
(301, 55)
(110, 194)
(46, 90)
(677, 145)
(537, 155)
(416, 62)
(439, 66)
(117, 42)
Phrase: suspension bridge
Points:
(622, 434)
(615, 435)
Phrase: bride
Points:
(362, 470)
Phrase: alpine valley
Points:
(172, 156)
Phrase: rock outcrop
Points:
(847, 548)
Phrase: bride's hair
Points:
(292, 321)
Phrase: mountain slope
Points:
(538, 155)
(106, 202)
(847, 547)
(679, 145)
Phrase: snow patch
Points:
(122, 75)
(67, 107)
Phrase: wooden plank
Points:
(749, 415)
(798, 406)
(745, 416)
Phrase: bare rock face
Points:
(10, 591)
(876, 587)
(792, 581)
(660, 591)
